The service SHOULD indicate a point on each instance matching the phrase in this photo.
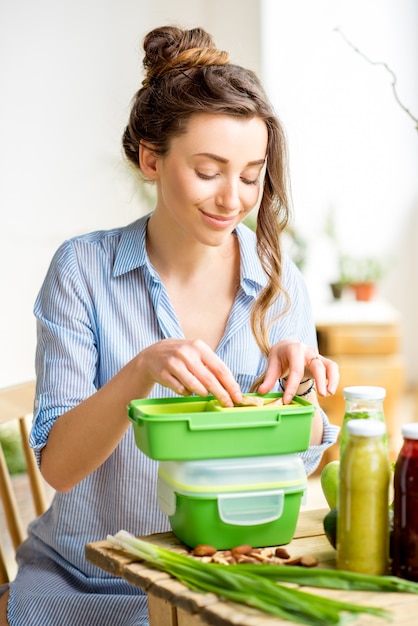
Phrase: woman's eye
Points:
(205, 176)
(246, 181)
(249, 181)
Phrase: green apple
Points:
(330, 478)
(330, 526)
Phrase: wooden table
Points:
(173, 604)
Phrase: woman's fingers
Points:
(326, 374)
(286, 358)
(297, 362)
(191, 367)
(213, 374)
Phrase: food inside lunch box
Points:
(258, 401)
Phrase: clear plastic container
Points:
(405, 507)
(362, 402)
(363, 507)
(227, 502)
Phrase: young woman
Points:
(186, 300)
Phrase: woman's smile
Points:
(220, 222)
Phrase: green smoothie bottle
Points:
(363, 510)
(362, 402)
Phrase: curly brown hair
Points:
(186, 74)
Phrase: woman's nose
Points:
(228, 195)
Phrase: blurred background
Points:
(69, 69)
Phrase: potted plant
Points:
(361, 274)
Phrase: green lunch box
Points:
(191, 428)
(228, 502)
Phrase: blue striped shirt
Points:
(101, 303)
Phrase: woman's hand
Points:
(186, 367)
(297, 361)
(85, 436)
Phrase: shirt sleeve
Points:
(66, 352)
(312, 456)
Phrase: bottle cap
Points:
(410, 431)
(366, 427)
(364, 392)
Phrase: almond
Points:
(281, 553)
(203, 550)
(244, 549)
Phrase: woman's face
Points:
(212, 175)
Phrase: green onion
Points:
(329, 578)
(244, 585)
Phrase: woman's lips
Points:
(219, 221)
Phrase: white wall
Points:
(352, 147)
(68, 71)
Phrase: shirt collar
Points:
(132, 254)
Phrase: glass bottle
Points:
(405, 507)
(362, 402)
(363, 509)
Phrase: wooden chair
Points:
(16, 404)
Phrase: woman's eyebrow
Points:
(220, 159)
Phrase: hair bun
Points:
(170, 49)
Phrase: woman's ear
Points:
(148, 159)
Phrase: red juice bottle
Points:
(405, 507)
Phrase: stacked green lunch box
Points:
(227, 476)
